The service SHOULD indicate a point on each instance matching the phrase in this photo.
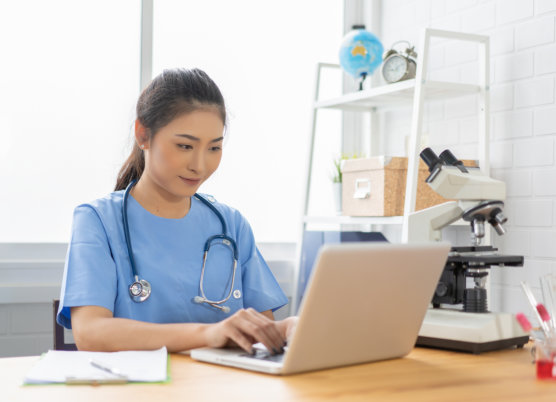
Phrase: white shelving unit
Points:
(413, 93)
(410, 93)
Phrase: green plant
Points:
(338, 163)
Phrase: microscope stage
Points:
(470, 332)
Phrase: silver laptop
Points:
(364, 302)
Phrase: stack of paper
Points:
(98, 367)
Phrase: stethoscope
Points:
(140, 289)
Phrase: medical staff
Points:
(138, 274)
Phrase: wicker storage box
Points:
(376, 187)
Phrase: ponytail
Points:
(132, 168)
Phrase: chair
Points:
(59, 341)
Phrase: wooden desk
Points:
(424, 375)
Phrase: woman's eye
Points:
(185, 146)
(216, 148)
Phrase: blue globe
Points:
(360, 53)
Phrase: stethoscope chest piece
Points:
(140, 290)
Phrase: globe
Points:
(360, 52)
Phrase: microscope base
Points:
(470, 332)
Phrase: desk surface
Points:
(425, 374)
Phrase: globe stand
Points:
(363, 76)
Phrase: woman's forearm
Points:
(112, 334)
(106, 333)
(95, 329)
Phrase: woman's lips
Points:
(191, 182)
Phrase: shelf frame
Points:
(409, 93)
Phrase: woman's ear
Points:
(141, 136)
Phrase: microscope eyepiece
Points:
(433, 162)
(430, 158)
(450, 159)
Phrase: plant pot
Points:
(337, 194)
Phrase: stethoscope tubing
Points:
(144, 286)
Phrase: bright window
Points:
(69, 79)
(263, 56)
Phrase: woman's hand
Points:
(287, 327)
(245, 328)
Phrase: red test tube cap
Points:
(524, 322)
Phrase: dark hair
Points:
(170, 94)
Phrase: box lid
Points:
(387, 162)
(374, 163)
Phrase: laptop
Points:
(364, 302)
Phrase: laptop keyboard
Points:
(264, 355)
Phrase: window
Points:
(69, 80)
(263, 56)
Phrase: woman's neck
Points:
(158, 201)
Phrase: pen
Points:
(111, 370)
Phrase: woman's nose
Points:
(196, 163)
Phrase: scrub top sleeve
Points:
(90, 272)
(261, 291)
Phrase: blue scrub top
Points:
(168, 253)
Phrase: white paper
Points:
(141, 366)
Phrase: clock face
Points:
(394, 68)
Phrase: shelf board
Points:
(364, 220)
(355, 220)
(396, 94)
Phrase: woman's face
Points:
(185, 152)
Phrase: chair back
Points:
(59, 338)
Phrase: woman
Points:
(179, 130)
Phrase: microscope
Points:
(459, 318)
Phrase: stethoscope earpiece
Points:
(201, 299)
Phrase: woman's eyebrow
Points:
(193, 138)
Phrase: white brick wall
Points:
(512, 125)
(523, 119)
(508, 11)
(514, 66)
(543, 6)
(543, 182)
(535, 152)
(544, 121)
(535, 92)
(533, 33)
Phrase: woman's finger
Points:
(262, 329)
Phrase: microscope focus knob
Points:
(500, 217)
(497, 220)
(441, 289)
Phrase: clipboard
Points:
(95, 368)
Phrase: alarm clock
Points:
(399, 65)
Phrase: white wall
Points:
(523, 117)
